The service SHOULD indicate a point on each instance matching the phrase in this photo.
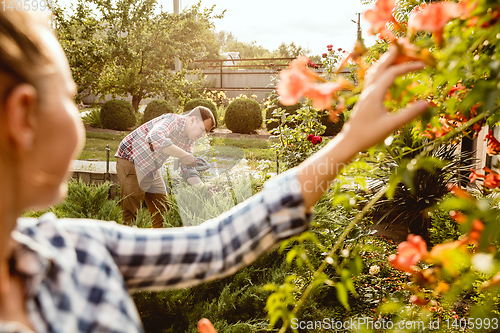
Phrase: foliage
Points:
(273, 105)
(443, 228)
(86, 53)
(155, 109)
(192, 103)
(89, 201)
(331, 128)
(249, 50)
(117, 115)
(459, 43)
(243, 115)
(416, 191)
(233, 304)
(93, 118)
(130, 47)
(292, 146)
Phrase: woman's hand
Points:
(370, 122)
(205, 326)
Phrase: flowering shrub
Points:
(295, 134)
(459, 43)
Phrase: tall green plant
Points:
(89, 201)
(413, 199)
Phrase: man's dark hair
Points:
(202, 113)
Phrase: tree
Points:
(138, 43)
(86, 53)
(290, 50)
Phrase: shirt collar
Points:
(33, 260)
(182, 127)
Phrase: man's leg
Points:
(156, 200)
(130, 192)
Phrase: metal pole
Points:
(107, 163)
(178, 64)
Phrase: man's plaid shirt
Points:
(78, 273)
(136, 147)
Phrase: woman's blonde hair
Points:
(24, 57)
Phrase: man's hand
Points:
(188, 160)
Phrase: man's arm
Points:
(369, 123)
(186, 158)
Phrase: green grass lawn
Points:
(255, 149)
(95, 145)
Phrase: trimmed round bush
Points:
(243, 115)
(332, 128)
(290, 109)
(117, 115)
(155, 109)
(195, 102)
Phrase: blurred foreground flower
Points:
(380, 15)
(298, 81)
(409, 253)
(433, 17)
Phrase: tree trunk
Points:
(136, 99)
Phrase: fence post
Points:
(221, 85)
(107, 177)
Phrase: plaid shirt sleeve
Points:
(160, 132)
(181, 257)
(185, 168)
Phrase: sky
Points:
(310, 24)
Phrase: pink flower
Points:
(409, 253)
(292, 86)
(380, 15)
(434, 17)
(474, 175)
(298, 81)
(492, 179)
(322, 94)
(324, 55)
(295, 81)
(493, 146)
(329, 47)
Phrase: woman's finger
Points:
(376, 70)
(407, 114)
(205, 326)
(387, 78)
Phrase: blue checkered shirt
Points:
(78, 273)
(143, 146)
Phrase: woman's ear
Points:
(20, 113)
